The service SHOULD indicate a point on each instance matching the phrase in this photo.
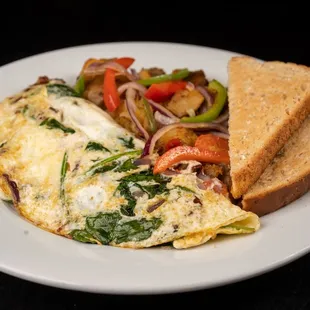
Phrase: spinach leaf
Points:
(124, 190)
(82, 236)
(63, 172)
(111, 227)
(135, 230)
(103, 162)
(185, 189)
(8, 201)
(52, 123)
(145, 176)
(133, 180)
(126, 166)
(25, 109)
(101, 226)
(61, 90)
(107, 167)
(94, 146)
(127, 142)
(156, 189)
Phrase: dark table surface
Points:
(269, 35)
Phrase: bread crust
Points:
(270, 201)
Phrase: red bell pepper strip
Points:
(110, 94)
(164, 91)
(181, 153)
(125, 61)
(173, 143)
(212, 142)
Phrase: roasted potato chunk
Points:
(150, 72)
(213, 170)
(186, 136)
(121, 116)
(184, 101)
(198, 78)
(93, 91)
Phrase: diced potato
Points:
(144, 74)
(187, 137)
(197, 78)
(150, 72)
(185, 101)
(213, 170)
(121, 116)
(93, 91)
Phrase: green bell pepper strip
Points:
(217, 107)
(150, 116)
(180, 75)
(79, 86)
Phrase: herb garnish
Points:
(52, 123)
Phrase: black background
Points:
(265, 30)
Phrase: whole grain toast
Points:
(286, 179)
(268, 101)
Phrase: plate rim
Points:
(40, 279)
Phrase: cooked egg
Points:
(69, 168)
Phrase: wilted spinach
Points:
(127, 142)
(52, 123)
(112, 227)
(82, 236)
(94, 146)
(160, 187)
(61, 90)
(63, 172)
(94, 169)
(186, 189)
(126, 166)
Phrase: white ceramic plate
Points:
(36, 255)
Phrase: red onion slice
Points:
(203, 126)
(131, 106)
(142, 161)
(163, 119)
(162, 109)
(190, 86)
(206, 95)
(222, 118)
(134, 73)
(13, 188)
(97, 68)
(203, 176)
(146, 148)
(134, 85)
(155, 206)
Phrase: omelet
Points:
(70, 169)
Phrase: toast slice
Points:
(286, 179)
(268, 101)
